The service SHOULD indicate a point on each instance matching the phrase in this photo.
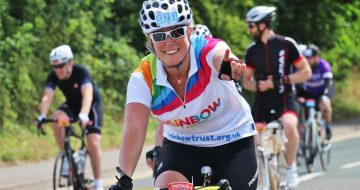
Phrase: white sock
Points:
(97, 182)
(292, 166)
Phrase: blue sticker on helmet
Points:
(164, 19)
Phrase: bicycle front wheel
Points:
(310, 148)
(61, 179)
(263, 170)
(325, 154)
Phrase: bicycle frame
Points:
(206, 171)
(271, 156)
(76, 177)
(313, 137)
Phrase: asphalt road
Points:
(344, 171)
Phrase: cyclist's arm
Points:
(328, 86)
(302, 74)
(87, 97)
(135, 123)
(249, 82)
(46, 101)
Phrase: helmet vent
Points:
(164, 6)
(151, 15)
(180, 9)
(155, 4)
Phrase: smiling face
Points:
(175, 46)
(63, 70)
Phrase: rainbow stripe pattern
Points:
(165, 99)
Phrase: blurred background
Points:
(106, 37)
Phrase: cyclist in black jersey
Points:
(83, 101)
(270, 59)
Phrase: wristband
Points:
(41, 117)
(84, 117)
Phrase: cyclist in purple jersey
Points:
(83, 101)
(270, 60)
(320, 85)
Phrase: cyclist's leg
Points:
(177, 162)
(237, 163)
(326, 110)
(62, 113)
(290, 121)
(94, 139)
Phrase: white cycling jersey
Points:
(213, 113)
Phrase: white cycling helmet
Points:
(200, 29)
(60, 55)
(261, 14)
(302, 48)
(157, 14)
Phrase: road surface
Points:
(344, 171)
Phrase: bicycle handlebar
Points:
(41, 130)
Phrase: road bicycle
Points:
(75, 158)
(314, 144)
(206, 171)
(271, 156)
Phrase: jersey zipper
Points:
(183, 102)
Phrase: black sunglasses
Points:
(174, 34)
(251, 25)
(59, 66)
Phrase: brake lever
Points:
(40, 129)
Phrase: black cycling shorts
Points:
(303, 93)
(235, 162)
(95, 116)
(280, 104)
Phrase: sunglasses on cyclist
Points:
(59, 66)
(251, 25)
(174, 34)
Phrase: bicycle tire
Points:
(282, 170)
(325, 155)
(60, 182)
(310, 146)
(263, 170)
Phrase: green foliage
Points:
(106, 37)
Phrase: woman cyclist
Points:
(198, 30)
(206, 121)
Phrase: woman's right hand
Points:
(123, 183)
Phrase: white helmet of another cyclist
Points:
(158, 14)
(60, 55)
(200, 29)
(261, 14)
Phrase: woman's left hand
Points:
(235, 68)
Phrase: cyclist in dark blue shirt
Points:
(83, 101)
